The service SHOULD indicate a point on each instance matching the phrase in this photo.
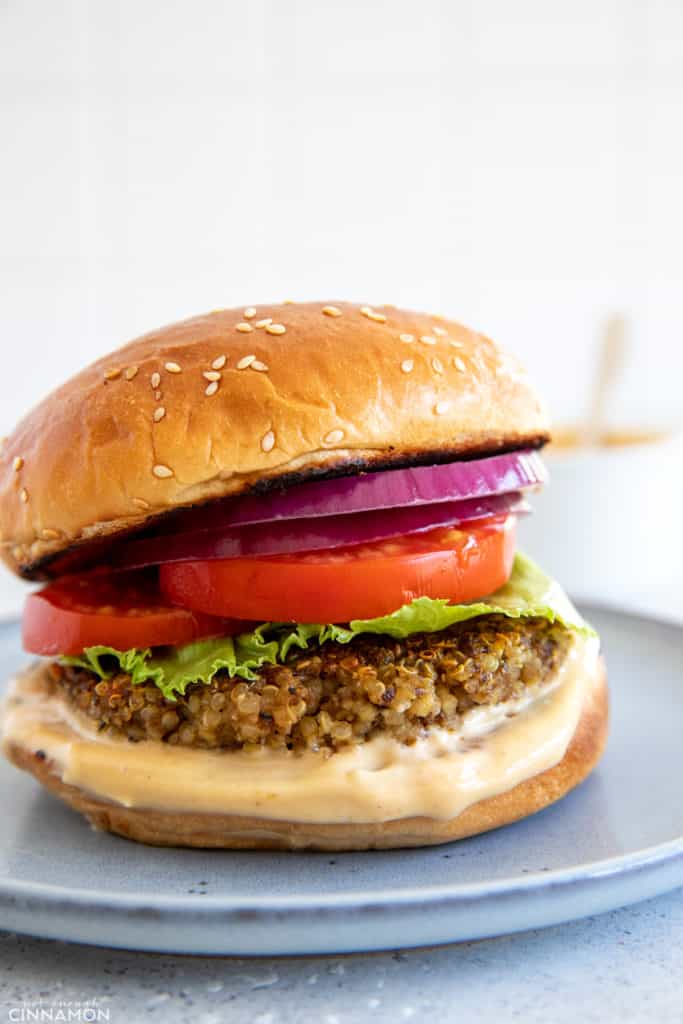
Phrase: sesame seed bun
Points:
(186, 828)
(246, 398)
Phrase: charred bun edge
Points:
(225, 831)
(89, 551)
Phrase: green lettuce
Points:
(529, 593)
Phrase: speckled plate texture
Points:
(617, 839)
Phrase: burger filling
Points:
(334, 696)
(315, 619)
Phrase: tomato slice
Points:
(123, 610)
(360, 582)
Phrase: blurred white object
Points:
(612, 357)
(608, 524)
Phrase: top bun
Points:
(214, 405)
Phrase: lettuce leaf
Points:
(529, 593)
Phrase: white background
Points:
(516, 165)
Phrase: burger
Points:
(282, 606)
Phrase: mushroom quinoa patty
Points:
(337, 695)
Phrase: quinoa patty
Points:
(337, 695)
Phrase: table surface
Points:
(625, 966)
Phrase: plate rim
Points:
(651, 856)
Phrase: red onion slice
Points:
(297, 535)
(391, 488)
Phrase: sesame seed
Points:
(23, 494)
(17, 463)
(275, 328)
(245, 361)
(131, 372)
(456, 344)
(459, 364)
(112, 374)
(159, 414)
(268, 441)
(49, 534)
(288, 302)
(440, 408)
(211, 375)
(249, 313)
(333, 437)
(427, 339)
(141, 503)
(437, 365)
(407, 365)
(244, 327)
(258, 365)
(407, 338)
(162, 472)
(219, 362)
(331, 311)
(172, 368)
(155, 380)
(211, 388)
(441, 331)
(371, 315)
(264, 323)
(157, 396)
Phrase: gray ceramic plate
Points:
(615, 840)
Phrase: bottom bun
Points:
(239, 832)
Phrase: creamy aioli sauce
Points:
(379, 780)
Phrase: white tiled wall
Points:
(517, 165)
